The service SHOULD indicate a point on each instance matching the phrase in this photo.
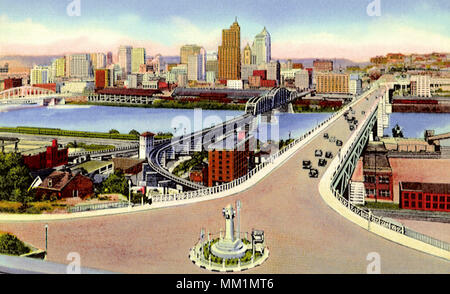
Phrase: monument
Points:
(230, 251)
(230, 246)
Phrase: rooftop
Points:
(93, 165)
(426, 187)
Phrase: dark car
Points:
(318, 153)
(329, 155)
(352, 128)
(326, 136)
(313, 173)
(322, 162)
(338, 143)
(306, 164)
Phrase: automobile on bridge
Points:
(313, 173)
(318, 153)
(307, 164)
(322, 162)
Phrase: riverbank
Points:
(171, 105)
(203, 105)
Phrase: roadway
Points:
(303, 234)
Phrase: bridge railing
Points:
(114, 150)
(363, 213)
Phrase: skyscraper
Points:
(188, 50)
(262, 47)
(125, 59)
(79, 66)
(248, 56)
(137, 58)
(230, 53)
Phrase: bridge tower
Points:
(146, 144)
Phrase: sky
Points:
(299, 28)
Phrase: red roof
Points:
(148, 134)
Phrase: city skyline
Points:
(306, 29)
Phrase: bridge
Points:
(197, 141)
(304, 232)
(31, 95)
(273, 99)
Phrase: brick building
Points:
(425, 196)
(377, 173)
(12, 83)
(52, 157)
(323, 65)
(199, 174)
(227, 163)
(65, 185)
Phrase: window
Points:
(428, 205)
(420, 204)
(442, 199)
(406, 195)
(435, 199)
(75, 193)
(384, 180)
(406, 203)
(385, 193)
(428, 197)
(413, 196)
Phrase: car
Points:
(339, 143)
(329, 155)
(363, 112)
(326, 136)
(352, 128)
(332, 139)
(306, 164)
(313, 173)
(322, 162)
(355, 121)
(318, 153)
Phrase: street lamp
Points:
(46, 239)
(129, 192)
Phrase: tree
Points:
(114, 131)
(135, 133)
(15, 178)
(115, 183)
(397, 132)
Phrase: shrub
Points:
(11, 245)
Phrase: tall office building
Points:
(194, 67)
(125, 59)
(109, 58)
(262, 47)
(274, 71)
(248, 57)
(188, 50)
(40, 75)
(332, 83)
(59, 67)
(230, 53)
(80, 66)
(212, 63)
(137, 58)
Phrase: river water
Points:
(179, 121)
(125, 119)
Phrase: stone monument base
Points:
(229, 249)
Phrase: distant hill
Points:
(27, 61)
(338, 62)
